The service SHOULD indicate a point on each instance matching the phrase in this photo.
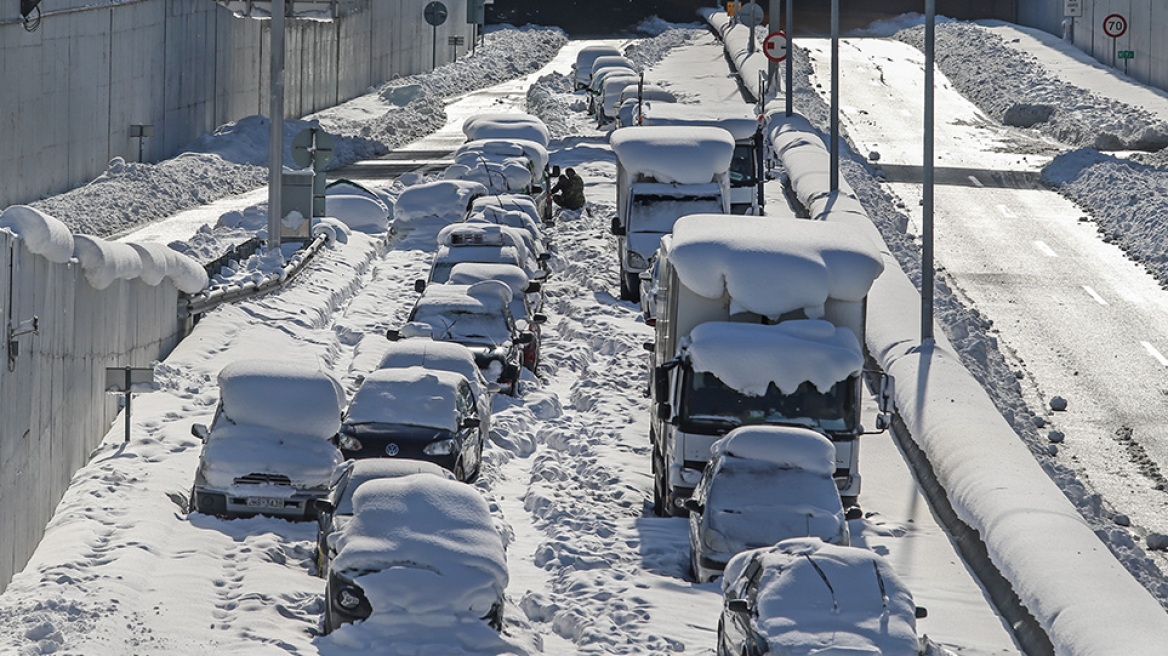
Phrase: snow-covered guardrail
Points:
(1076, 590)
(752, 67)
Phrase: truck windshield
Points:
(742, 173)
(658, 213)
(709, 405)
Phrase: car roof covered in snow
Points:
(367, 469)
(484, 296)
(412, 396)
(691, 155)
(748, 357)
(789, 447)
(506, 126)
(438, 198)
(288, 396)
(441, 356)
(736, 118)
(469, 273)
(756, 260)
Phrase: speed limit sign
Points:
(1115, 26)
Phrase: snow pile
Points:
(434, 205)
(817, 598)
(282, 395)
(412, 396)
(234, 451)
(749, 357)
(754, 260)
(788, 447)
(674, 155)
(506, 126)
(1012, 87)
(41, 233)
(424, 550)
(360, 213)
(106, 261)
(159, 261)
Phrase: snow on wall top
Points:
(506, 126)
(283, 395)
(412, 396)
(789, 447)
(771, 266)
(430, 544)
(41, 233)
(801, 616)
(748, 357)
(104, 261)
(736, 118)
(692, 155)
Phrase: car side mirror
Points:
(539, 317)
(661, 383)
(419, 285)
(617, 228)
(200, 431)
(648, 346)
(883, 421)
(471, 422)
(691, 504)
(524, 338)
(544, 256)
(393, 334)
(738, 605)
(921, 612)
(664, 411)
(533, 287)
(540, 275)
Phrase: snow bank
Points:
(436, 203)
(286, 396)
(749, 357)
(233, 451)
(817, 598)
(678, 155)
(429, 546)
(41, 233)
(506, 126)
(736, 118)
(752, 66)
(756, 261)
(412, 396)
(788, 447)
(359, 213)
(104, 261)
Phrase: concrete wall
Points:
(53, 408)
(1145, 21)
(73, 87)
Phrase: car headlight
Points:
(349, 443)
(440, 448)
(350, 597)
(715, 541)
(635, 261)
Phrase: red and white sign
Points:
(1115, 26)
(775, 46)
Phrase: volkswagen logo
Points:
(391, 449)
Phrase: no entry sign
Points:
(1115, 26)
(775, 46)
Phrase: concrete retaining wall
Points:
(53, 408)
(73, 87)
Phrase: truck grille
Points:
(260, 479)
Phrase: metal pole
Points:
(835, 95)
(127, 403)
(434, 58)
(790, 57)
(772, 27)
(750, 41)
(927, 183)
(276, 134)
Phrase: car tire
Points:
(659, 501)
(630, 287)
(192, 506)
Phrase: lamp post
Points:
(927, 182)
(276, 133)
(835, 154)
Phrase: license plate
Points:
(264, 502)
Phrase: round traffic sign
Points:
(775, 46)
(751, 15)
(1115, 26)
(435, 13)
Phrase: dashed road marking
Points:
(1007, 212)
(1092, 294)
(1046, 250)
(1156, 354)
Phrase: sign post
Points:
(128, 380)
(1072, 9)
(435, 15)
(1114, 26)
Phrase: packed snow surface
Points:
(686, 156)
(283, 395)
(814, 598)
(788, 447)
(412, 396)
(41, 233)
(749, 357)
(772, 266)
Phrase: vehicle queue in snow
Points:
(755, 379)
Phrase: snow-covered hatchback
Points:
(269, 449)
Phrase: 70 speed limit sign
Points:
(1115, 26)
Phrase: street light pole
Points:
(790, 57)
(276, 132)
(835, 154)
(927, 182)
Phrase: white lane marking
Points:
(1092, 294)
(1007, 212)
(1046, 250)
(975, 181)
(1156, 354)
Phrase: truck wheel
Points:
(630, 289)
(660, 507)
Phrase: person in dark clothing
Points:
(569, 190)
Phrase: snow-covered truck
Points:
(760, 320)
(664, 173)
(741, 121)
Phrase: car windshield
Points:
(711, 405)
(742, 167)
(457, 325)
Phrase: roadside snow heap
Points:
(102, 261)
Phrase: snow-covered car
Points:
(526, 299)
(608, 95)
(442, 356)
(269, 449)
(419, 414)
(419, 552)
(337, 510)
(514, 218)
(510, 125)
(433, 205)
(478, 317)
(511, 202)
(582, 69)
(633, 98)
(804, 597)
(506, 166)
(604, 65)
(763, 484)
(486, 243)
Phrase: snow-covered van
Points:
(760, 320)
(664, 173)
(270, 446)
(582, 69)
(741, 121)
